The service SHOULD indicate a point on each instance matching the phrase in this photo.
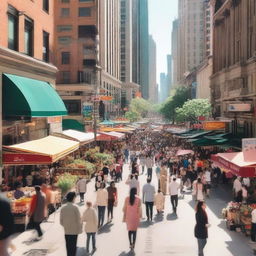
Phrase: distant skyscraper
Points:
(175, 25)
(169, 74)
(163, 85)
(152, 70)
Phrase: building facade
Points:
(152, 71)
(169, 74)
(233, 83)
(163, 86)
(175, 25)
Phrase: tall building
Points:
(169, 74)
(190, 37)
(163, 86)
(175, 25)
(233, 83)
(152, 71)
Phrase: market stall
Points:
(109, 136)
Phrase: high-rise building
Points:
(169, 74)
(163, 85)
(190, 36)
(152, 70)
(175, 25)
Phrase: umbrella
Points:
(182, 152)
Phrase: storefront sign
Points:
(209, 126)
(23, 159)
(106, 98)
(249, 149)
(239, 107)
(87, 111)
(54, 119)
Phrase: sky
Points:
(161, 15)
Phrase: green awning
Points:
(24, 96)
(208, 142)
(72, 124)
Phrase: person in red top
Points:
(37, 211)
(112, 199)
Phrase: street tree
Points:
(192, 109)
(141, 106)
(133, 116)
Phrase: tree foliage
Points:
(141, 106)
(132, 116)
(168, 108)
(192, 109)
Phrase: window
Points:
(65, 77)
(64, 39)
(63, 28)
(87, 31)
(73, 106)
(65, 1)
(29, 30)
(45, 46)
(64, 12)
(65, 57)
(46, 5)
(85, 0)
(84, 12)
(12, 28)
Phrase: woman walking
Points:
(132, 215)
(112, 199)
(101, 202)
(201, 228)
(90, 218)
(163, 179)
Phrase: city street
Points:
(167, 235)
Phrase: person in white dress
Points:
(159, 201)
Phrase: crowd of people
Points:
(146, 153)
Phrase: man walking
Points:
(70, 219)
(148, 192)
(173, 190)
(149, 164)
(102, 203)
(81, 188)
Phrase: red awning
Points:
(108, 136)
(234, 162)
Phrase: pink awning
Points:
(182, 152)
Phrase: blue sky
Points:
(161, 15)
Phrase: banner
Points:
(209, 126)
(249, 149)
(87, 111)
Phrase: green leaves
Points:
(192, 109)
(133, 116)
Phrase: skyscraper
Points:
(152, 70)
(169, 74)
(163, 85)
(175, 25)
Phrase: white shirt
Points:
(173, 188)
(254, 216)
(246, 182)
(208, 176)
(81, 186)
(102, 197)
(237, 185)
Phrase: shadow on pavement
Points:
(171, 216)
(130, 253)
(159, 217)
(145, 224)
(106, 228)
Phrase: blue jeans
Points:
(89, 235)
(101, 215)
(201, 245)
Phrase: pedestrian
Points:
(132, 215)
(37, 212)
(163, 179)
(70, 219)
(208, 182)
(173, 191)
(81, 188)
(158, 170)
(201, 227)
(244, 194)
(18, 193)
(142, 162)
(148, 193)
(237, 187)
(102, 203)
(112, 199)
(149, 164)
(90, 219)
(6, 225)
(133, 182)
(105, 171)
(253, 227)
(159, 201)
(198, 190)
(126, 154)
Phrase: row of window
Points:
(82, 12)
(81, 1)
(13, 40)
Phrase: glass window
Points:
(64, 39)
(65, 1)
(45, 46)
(63, 28)
(46, 5)
(86, 0)
(12, 32)
(84, 12)
(29, 30)
(73, 106)
(65, 77)
(65, 57)
(64, 12)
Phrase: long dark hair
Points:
(133, 193)
(200, 210)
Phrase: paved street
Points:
(167, 235)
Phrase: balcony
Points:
(89, 63)
(86, 77)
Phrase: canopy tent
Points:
(182, 152)
(73, 124)
(81, 137)
(107, 122)
(108, 136)
(234, 162)
(193, 135)
(30, 98)
(117, 129)
(208, 142)
(43, 151)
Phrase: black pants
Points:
(253, 232)
(89, 235)
(174, 201)
(149, 209)
(101, 215)
(71, 244)
(35, 225)
(110, 207)
(143, 168)
(150, 173)
(132, 237)
(82, 196)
